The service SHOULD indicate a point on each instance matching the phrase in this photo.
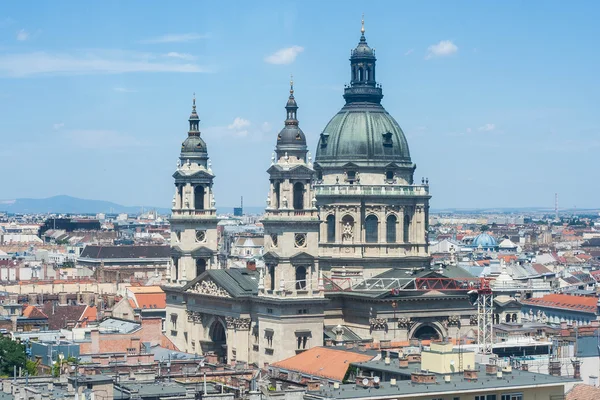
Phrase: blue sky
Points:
(499, 100)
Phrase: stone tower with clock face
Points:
(291, 272)
(194, 216)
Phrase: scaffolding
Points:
(485, 320)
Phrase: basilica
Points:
(345, 234)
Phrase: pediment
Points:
(392, 165)
(176, 251)
(198, 174)
(295, 169)
(204, 285)
(271, 257)
(202, 251)
(302, 257)
(350, 165)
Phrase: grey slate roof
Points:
(237, 282)
(405, 389)
(106, 252)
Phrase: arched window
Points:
(300, 278)
(298, 196)
(199, 197)
(272, 276)
(507, 317)
(371, 223)
(200, 266)
(406, 229)
(390, 227)
(330, 228)
(367, 73)
(277, 194)
(514, 318)
(176, 267)
(360, 74)
(180, 195)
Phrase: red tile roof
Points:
(151, 300)
(323, 362)
(33, 312)
(565, 301)
(582, 391)
(540, 269)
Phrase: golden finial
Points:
(291, 84)
(362, 29)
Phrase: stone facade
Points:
(194, 216)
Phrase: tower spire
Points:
(291, 107)
(362, 29)
(194, 119)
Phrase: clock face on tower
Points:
(200, 236)
(300, 239)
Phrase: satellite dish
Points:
(376, 379)
(365, 382)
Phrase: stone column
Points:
(400, 229)
(242, 339)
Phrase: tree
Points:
(11, 354)
(484, 228)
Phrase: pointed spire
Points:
(291, 105)
(362, 29)
(194, 119)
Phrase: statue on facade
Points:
(174, 201)
(347, 232)
(285, 202)
(178, 164)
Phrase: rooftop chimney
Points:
(576, 369)
(554, 368)
(470, 374)
(422, 377)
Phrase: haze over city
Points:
(498, 102)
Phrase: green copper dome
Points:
(367, 134)
(363, 132)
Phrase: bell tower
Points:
(194, 216)
(291, 249)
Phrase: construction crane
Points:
(485, 316)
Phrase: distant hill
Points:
(70, 205)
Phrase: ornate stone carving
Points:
(405, 323)
(230, 322)
(210, 288)
(242, 324)
(473, 320)
(194, 316)
(378, 324)
(452, 320)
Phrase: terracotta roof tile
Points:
(323, 362)
(33, 312)
(145, 289)
(151, 300)
(565, 301)
(583, 392)
(540, 269)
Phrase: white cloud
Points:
(89, 63)
(284, 56)
(487, 127)
(22, 35)
(176, 38)
(58, 125)
(409, 52)
(239, 126)
(442, 49)
(181, 56)
(123, 90)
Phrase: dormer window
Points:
(351, 176)
(387, 139)
(324, 139)
(389, 175)
(298, 137)
(279, 137)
